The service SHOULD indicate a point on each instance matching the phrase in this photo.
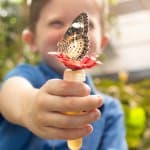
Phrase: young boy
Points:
(33, 98)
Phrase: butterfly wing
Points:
(78, 26)
(75, 41)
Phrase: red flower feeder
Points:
(85, 62)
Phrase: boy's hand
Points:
(46, 117)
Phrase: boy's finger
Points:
(61, 120)
(66, 88)
(71, 104)
(60, 133)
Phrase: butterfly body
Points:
(75, 41)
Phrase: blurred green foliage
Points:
(135, 102)
(13, 19)
(10, 41)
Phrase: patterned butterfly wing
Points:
(75, 42)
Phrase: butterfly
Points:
(75, 42)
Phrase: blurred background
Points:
(125, 73)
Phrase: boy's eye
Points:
(56, 24)
(91, 25)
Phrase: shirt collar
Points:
(49, 72)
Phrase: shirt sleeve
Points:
(29, 72)
(114, 136)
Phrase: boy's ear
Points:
(105, 41)
(28, 38)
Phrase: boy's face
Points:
(54, 20)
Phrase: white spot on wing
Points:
(78, 25)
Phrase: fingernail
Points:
(88, 87)
(89, 129)
(100, 100)
(96, 114)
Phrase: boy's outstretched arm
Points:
(42, 110)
